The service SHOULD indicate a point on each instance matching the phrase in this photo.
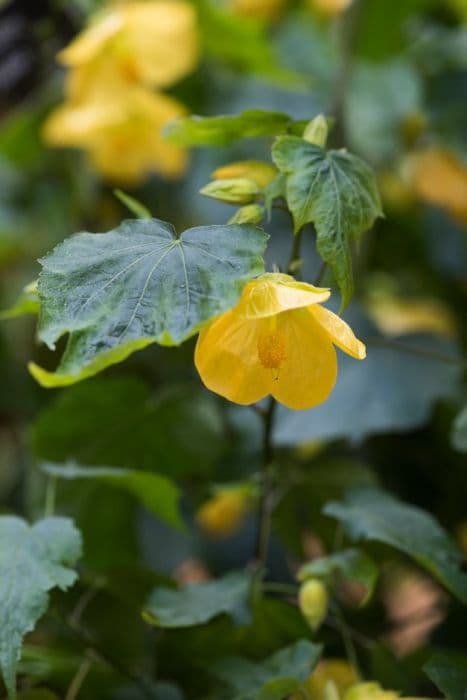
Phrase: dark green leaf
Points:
(199, 603)
(277, 677)
(459, 431)
(350, 564)
(177, 431)
(32, 561)
(118, 292)
(157, 493)
(371, 514)
(334, 190)
(224, 129)
(448, 671)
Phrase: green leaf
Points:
(379, 98)
(133, 205)
(240, 41)
(32, 561)
(225, 129)
(179, 431)
(157, 493)
(277, 677)
(27, 303)
(448, 671)
(350, 564)
(334, 190)
(199, 603)
(459, 431)
(371, 514)
(118, 292)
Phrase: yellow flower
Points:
(330, 7)
(441, 179)
(278, 341)
(122, 136)
(336, 671)
(223, 514)
(395, 316)
(154, 43)
(370, 691)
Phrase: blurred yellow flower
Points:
(440, 178)
(154, 43)
(261, 172)
(122, 137)
(224, 513)
(278, 340)
(330, 7)
(336, 671)
(396, 316)
(260, 9)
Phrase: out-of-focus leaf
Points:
(27, 303)
(198, 603)
(177, 431)
(38, 694)
(118, 292)
(159, 691)
(448, 671)
(380, 96)
(157, 493)
(227, 128)
(240, 41)
(371, 514)
(391, 390)
(334, 190)
(275, 678)
(33, 560)
(459, 431)
(350, 564)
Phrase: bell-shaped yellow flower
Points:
(153, 43)
(122, 137)
(278, 340)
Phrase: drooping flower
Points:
(121, 136)
(151, 43)
(278, 340)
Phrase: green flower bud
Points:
(249, 214)
(313, 600)
(238, 190)
(316, 131)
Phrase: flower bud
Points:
(257, 170)
(240, 190)
(249, 214)
(316, 131)
(313, 600)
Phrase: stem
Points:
(50, 496)
(78, 680)
(294, 259)
(265, 507)
(416, 350)
(286, 588)
(347, 640)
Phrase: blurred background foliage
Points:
(393, 73)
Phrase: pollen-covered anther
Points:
(271, 349)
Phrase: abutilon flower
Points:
(278, 340)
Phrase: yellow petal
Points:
(226, 358)
(273, 293)
(308, 373)
(440, 178)
(339, 331)
(93, 40)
